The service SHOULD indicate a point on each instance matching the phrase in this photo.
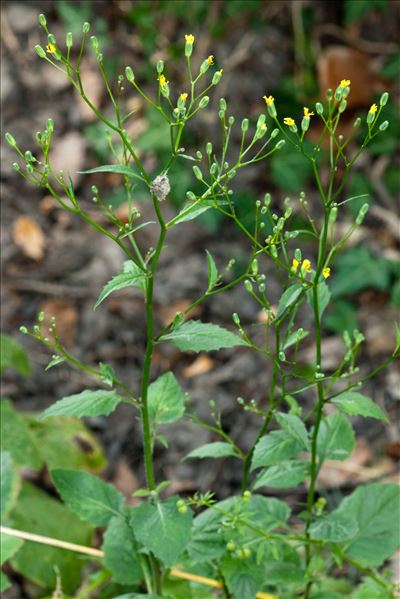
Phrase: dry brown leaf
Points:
(28, 235)
(66, 318)
(201, 365)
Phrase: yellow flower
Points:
(51, 49)
(326, 272)
(189, 39)
(373, 109)
(345, 83)
(210, 59)
(295, 264)
(269, 101)
(289, 121)
(306, 265)
(183, 97)
(162, 80)
(307, 112)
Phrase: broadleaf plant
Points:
(248, 545)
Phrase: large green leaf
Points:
(197, 336)
(334, 527)
(97, 402)
(39, 513)
(284, 475)
(120, 552)
(13, 355)
(335, 438)
(91, 498)
(166, 399)
(190, 211)
(288, 299)
(375, 508)
(132, 276)
(162, 529)
(9, 484)
(243, 577)
(213, 450)
(295, 427)
(17, 439)
(356, 404)
(273, 448)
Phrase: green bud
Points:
(50, 125)
(222, 104)
(274, 133)
(188, 48)
(267, 199)
(28, 156)
(383, 126)
(204, 102)
(10, 140)
(199, 155)
(129, 74)
(361, 215)
(245, 125)
(274, 251)
(299, 333)
(280, 144)
(246, 552)
(261, 287)
(221, 114)
(371, 116)
(23, 330)
(231, 121)
(86, 27)
(40, 317)
(305, 123)
(38, 136)
(333, 214)
(160, 66)
(248, 285)
(209, 148)
(214, 168)
(39, 51)
(338, 93)
(260, 132)
(205, 65)
(384, 98)
(94, 189)
(232, 174)
(42, 20)
(95, 43)
(246, 495)
(29, 168)
(230, 546)
(319, 109)
(183, 509)
(342, 106)
(357, 123)
(329, 94)
(272, 111)
(282, 356)
(16, 166)
(261, 120)
(52, 39)
(190, 195)
(217, 77)
(236, 319)
(254, 266)
(297, 254)
(197, 172)
(69, 40)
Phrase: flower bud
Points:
(329, 94)
(204, 102)
(260, 121)
(357, 123)
(23, 330)
(86, 27)
(383, 126)
(190, 195)
(282, 357)
(28, 156)
(209, 148)
(129, 74)
(267, 199)
(274, 133)
(333, 214)
(197, 172)
(10, 140)
(217, 77)
(280, 144)
(305, 123)
(384, 98)
(69, 40)
(39, 51)
(95, 43)
(297, 254)
(214, 168)
(236, 319)
(230, 546)
(338, 93)
(160, 66)
(205, 65)
(222, 104)
(248, 285)
(361, 215)
(16, 167)
(189, 41)
(50, 125)
(42, 20)
(254, 266)
(342, 106)
(319, 109)
(245, 125)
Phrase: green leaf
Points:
(197, 336)
(284, 475)
(13, 355)
(356, 404)
(355, 10)
(334, 527)
(166, 399)
(190, 212)
(375, 508)
(369, 589)
(55, 361)
(17, 438)
(274, 448)
(288, 298)
(212, 272)
(91, 498)
(335, 438)
(295, 427)
(86, 403)
(243, 577)
(9, 484)
(118, 169)
(294, 337)
(162, 529)
(120, 552)
(217, 449)
(357, 269)
(283, 573)
(342, 318)
(8, 546)
(39, 513)
(4, 582)
(131, 276)
(324, 296)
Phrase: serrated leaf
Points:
(162, 529)
(334, 527)
(55, 361)
(197, 336)
(243, 577)
(283, 573)
(288, 298)
(356, 404)
(120, 552)
(295, 427)
(212, 272)
(118, 169)
(88, 496)
(132, 276)
(284, 475)
(13, 355)
(274, 448)
(336, 438)
(217, 449)
(87, 403)
(17, 438)
(9, 484)
(375, 508)
(166, 399)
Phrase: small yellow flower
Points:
(345, 83)
(51, 49)
(295, 264)
(373, 109)
(183, 97)
(162, 80)
(307, 112)
(269, 101)
(189, 39)
(306, 265)
(326, 272)
(210, 59)
(220, 71)
(289, 121)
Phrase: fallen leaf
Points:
(201, 365)
(28, 235)
(66, 318)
